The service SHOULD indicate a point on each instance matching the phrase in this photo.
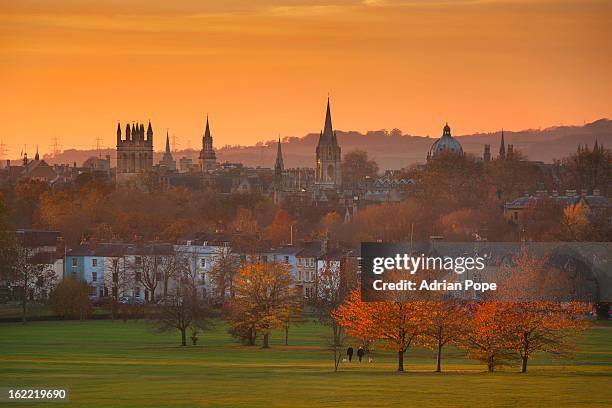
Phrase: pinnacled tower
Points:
(135, 153)
(328, 171)
(502, 147)
(208, 159)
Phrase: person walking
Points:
(349, 353)
(360, 353)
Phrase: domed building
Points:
(445, 145)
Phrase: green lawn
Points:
(117, 364)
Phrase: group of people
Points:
(360, 353)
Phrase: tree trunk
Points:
(24, 306)
(439, 358)
(266, 340)
(183, 337)
(336, 359)
(525, 356)
(490, 365)
(286, 335)
(400, 360)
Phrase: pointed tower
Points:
(279, 166)
(167, 160)
(118, 133)
(208, 159)
(149, 133)
(328, 155)
(502, 147)
(36, 156)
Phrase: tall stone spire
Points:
(208, 159)
(328, 130)
(167, 143)
(279, 166)
(118, 133)
(502, 146)
(36, 156)
(328, 155)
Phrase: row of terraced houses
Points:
(129, 271)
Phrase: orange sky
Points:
(262, 68)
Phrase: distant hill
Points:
(393, 151)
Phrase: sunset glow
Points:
(71, 70)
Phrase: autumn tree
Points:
(444, 324)
(356, 166)
(70, 299)
(489, 333)
(544, 326)
(396, 323)
(575, 222)
(264, 296)
(280, 230)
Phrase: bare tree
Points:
(36, 280)
(223, 274)
(332, 287)
(182, 311)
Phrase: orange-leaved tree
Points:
(264, 299)
(395, 323)
(443, 324)
(489, 333)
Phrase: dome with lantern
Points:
(447, 144)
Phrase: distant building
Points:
(208, 159)
(167, 160)
(328, 157)
(447, 144)
(135, 152)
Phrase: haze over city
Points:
(72, 70)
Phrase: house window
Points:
(92, 291)
(94, 262)
(264, 258)
(138, 260)
(299, 275)
(74, 262)
(286, 259)
(203, 262)
(94, 276)
(137, 292)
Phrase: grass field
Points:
(117, 364)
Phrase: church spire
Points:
(167, 143)
(328, 130)
(207, 130)
(502, 146)
(118, 133)
(36, 157)
(279, 166)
